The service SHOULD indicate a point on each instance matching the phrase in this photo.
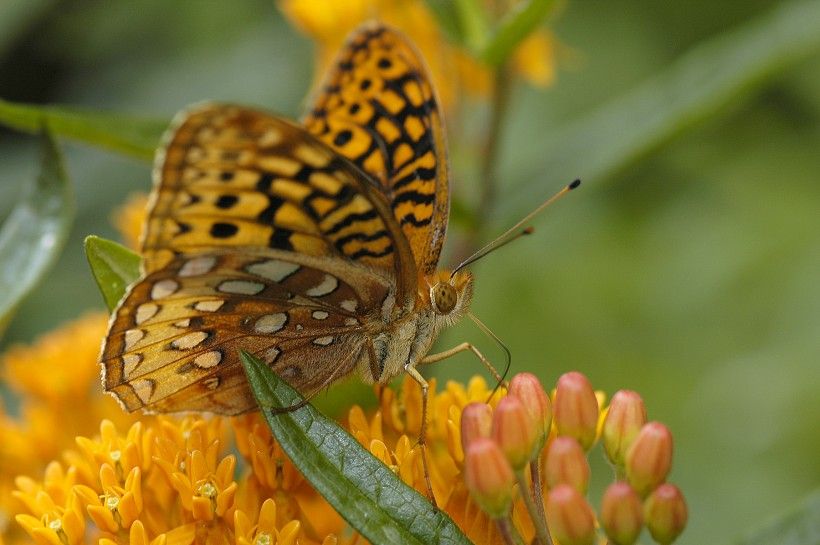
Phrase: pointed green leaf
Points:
(133, 136)
(370, 497)
(514, 27)
(690, 90)
(798, 526)
(114, 266)
(35, 232)
(447, 18)
(473, 23)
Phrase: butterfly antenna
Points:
(507, 354)
(513, 232)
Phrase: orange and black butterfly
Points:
(314, 247)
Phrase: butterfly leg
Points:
(415, 375)
(464, 347)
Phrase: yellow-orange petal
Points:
(202, 508)
(289, 533)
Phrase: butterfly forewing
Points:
(378, 108)
(235, 177)
(174, 342)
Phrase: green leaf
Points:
(514, 27)
(129, 135)
(694, 88)
(447, 18)
(798, 526)
(35, 232)
(473, 23)
(114, 267)
(370, 497)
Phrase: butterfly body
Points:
(314, 247)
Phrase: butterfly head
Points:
(449, 295)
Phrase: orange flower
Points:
(129, 218)
(328, 22)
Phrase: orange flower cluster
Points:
(177, 480)
(501, 444)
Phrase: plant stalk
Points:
(508, 532)
(488, 175)
(538, 519)
(538, 494)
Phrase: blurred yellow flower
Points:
(129, 217)
(75, 469)
(328, 22)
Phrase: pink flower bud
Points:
(489, 477)
(665, 513)
(649, 458)
(570, 518)
(514, 431)
(527, 388)
(566, 463)
(476, 421)
(621, 514)
(624, 419)
(576, 408)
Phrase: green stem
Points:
(538, 494)
(536, 516)
(488, 162)
(492, 144)
(508, 532)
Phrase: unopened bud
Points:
(476, 421)
(489, 477)
(621, 514)
(665, 513)
(570, 518)
(624, 419)
(514, 431)
(527, 388)
(576, 408)
(566, 463)
(649, 458)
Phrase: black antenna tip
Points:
(575, 184)
(528, 231)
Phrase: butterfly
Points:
(312, 246)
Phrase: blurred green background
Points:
(687, 268)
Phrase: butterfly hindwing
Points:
(175, 340)
(378, 108)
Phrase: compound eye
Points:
(444, 297)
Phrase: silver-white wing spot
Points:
(191, 340)
(319, 314)
(270, 355)
(323, 341)
(164, 288)
(241, 287)
(183, 324)
(146, 311)
(129, 363)
(349, 305)
(208, 359)
(209, 306)
(132, 337)
(198, 265)
(326, 286)
(273, 269)
(144, 389)
(271, 323)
